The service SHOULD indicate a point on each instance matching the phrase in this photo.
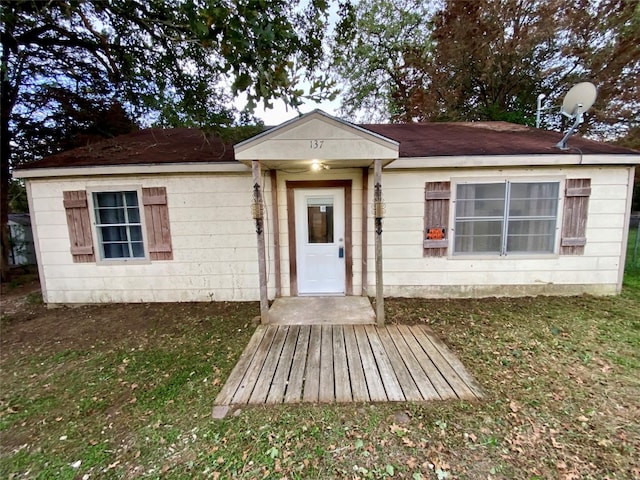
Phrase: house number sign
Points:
(316, 144)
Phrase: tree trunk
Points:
(5, 152)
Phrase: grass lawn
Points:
(126, 391)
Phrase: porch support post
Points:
(276, 231)
(365, 231)
(378, 210)
(258, 215)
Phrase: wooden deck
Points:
(346, 363)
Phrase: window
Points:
(118, 225)
(506, 218)
(320, 220)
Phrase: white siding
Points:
(408, 273)
(214, 240)
(212, 232)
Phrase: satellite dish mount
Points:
(577, 101)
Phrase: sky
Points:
(280, 114)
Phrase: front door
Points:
(320, 246)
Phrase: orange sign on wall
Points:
(435, 234)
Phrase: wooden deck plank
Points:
(250, 378)
(281, 377)
(455, 362)
(346, 363)
(326, 393)
(263, 383)
(356, 373)
(237, 374)
(371, 374)
(442, 364)
(293, 393)
(408, 385)
(437, 380)
(424, 385)
(312, 370)
(340, 366)
(387, 374)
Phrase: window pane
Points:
(115, 250)
(532, 217)
(114, 234)
(534, 199)
(482, 200)
(478, 236)
(138, 249)
(531, 236)
(109, 199)
(110, 215)
(320, 220)
(131, 199)
(134, 215)
(136, 233)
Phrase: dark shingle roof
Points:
(187, 145)
(148, 146)
(484, 138)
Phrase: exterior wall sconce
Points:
(257, 208)
(379, 207)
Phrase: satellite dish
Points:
(576, 102)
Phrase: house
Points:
(320, 206)
(21, 240)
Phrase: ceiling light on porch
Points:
(317, 165)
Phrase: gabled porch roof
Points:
(317, 136)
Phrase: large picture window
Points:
(118, 225)
(506, 218)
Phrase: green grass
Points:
(632, 267)
(561, 377)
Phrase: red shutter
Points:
(156, 213)
(436, 218)
(79, 224)
(574, 217)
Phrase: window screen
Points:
(508, 217)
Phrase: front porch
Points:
(345, 363)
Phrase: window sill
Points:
(124, 261)
(512, 256)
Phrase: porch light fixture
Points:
(317, 165)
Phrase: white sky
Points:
(279, 113)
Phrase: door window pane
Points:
(320, 220)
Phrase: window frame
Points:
(503, 254)
(97, 237)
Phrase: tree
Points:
(375, 51)
(489, 60)
(176, 62)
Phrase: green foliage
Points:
(17, 197)
(489, 60)
(386, 38)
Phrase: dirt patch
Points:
(30, 326)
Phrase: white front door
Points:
(320, 253)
